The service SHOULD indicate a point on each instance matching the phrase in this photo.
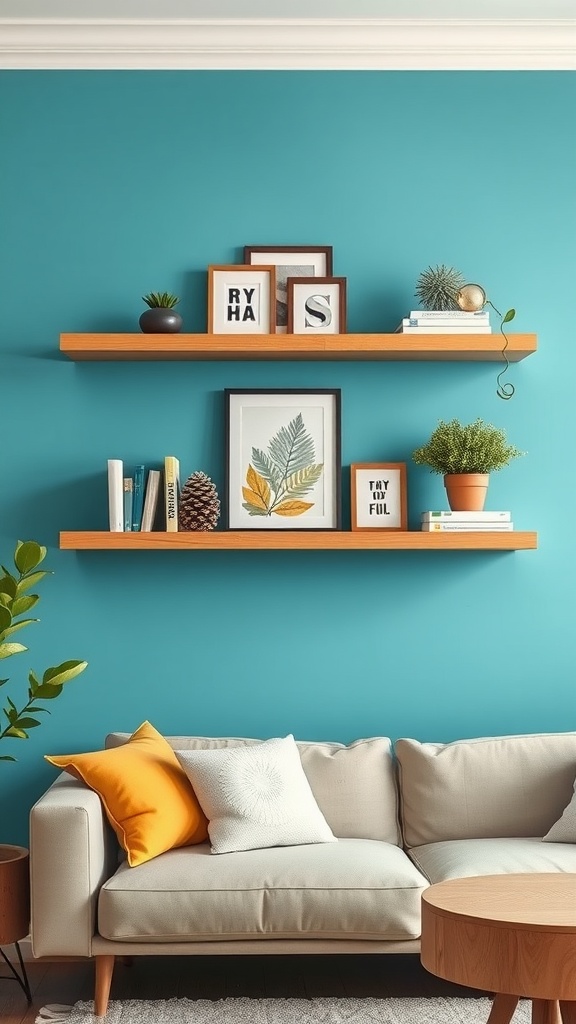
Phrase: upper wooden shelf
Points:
(278, 540)
(444, 347)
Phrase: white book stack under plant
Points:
(444, 321)
(462, 522)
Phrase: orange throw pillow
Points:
(146, 794)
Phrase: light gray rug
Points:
(282, 1011)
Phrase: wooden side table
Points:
(513, 935)
(14, 909)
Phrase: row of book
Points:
(445, 321)
(457, 522)
(134, 501)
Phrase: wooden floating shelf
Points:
(436, 347)
(308, 540)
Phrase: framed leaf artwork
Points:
(283, 467)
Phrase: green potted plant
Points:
(466, 454)
(160, 317)
(15, 602)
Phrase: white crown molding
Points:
(288, 43)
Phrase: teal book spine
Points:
(128, 498)
(138, 497)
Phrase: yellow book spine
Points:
(172, 492)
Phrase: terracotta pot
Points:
(466, 491)
(14, 894)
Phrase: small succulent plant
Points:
(161, 299)
(437, 287)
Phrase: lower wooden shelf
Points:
(308, 540)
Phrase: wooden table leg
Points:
(546, 1011)
(502, 1008)
(568, 1011)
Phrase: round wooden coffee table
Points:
(512, 935)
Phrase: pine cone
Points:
(199, 505)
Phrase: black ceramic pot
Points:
(160, 320)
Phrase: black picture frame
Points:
(283, 459)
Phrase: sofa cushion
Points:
(354, 785)
(354, 888)
(465, 857)
(564, 830)
(495, 786)
(255, 796)
(145, 793)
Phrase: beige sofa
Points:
(404, 817)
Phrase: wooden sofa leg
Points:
(104, 972)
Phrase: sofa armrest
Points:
(73, 851)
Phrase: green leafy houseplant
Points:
(456, 447)
(15, 602)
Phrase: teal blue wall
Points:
(115, 184)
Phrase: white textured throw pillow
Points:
(564, 830)
(256, 796)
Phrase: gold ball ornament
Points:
(471, 298)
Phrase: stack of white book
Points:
(453, 522)
(444, 321)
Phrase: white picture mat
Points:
(253, 421)
(222, 281)
(302, 321)
(373, 502)
(291, 264)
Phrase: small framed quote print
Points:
(283, 459)
(241, 299)
(290, 261)
(316, 305)
(378, 496)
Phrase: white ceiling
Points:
(215, 9)
(292, 35)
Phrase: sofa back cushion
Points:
(495, 786)
(354, 785)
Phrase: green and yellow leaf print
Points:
(278, 479)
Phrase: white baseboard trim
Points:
(387, 44)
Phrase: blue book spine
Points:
(138, 497)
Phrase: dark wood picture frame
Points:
(298, 320)
(315, 260)
(259, 423)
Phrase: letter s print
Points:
(318, 312)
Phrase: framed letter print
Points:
(283, 459)
(290, 261)
(379, 496)
(241, 300)
(316, 305)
